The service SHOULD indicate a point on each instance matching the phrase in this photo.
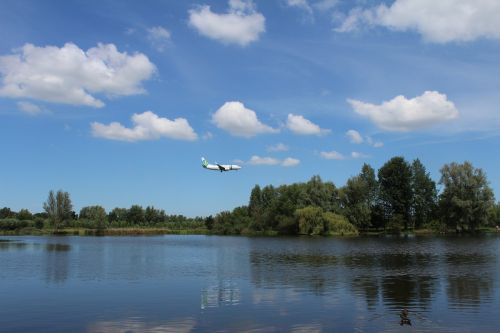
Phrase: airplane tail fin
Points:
(204, 162)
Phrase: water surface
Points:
(236, 284)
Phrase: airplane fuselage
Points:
(220, 167)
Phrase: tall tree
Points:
(356, 202)
(424, 194)
(395, 190)
(367, 174)
(58, 207)
(466, 198)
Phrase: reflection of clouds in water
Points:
(226, 293)
(306, 328)
(264, 296)
(132, 325)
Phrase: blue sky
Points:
(116, 101)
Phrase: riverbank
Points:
(166, 231)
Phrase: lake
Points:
(237, 284)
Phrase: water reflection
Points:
(226, 293)
(399, 274)
(138, 325)
(310, 272)
(56, 262)
(6, 245)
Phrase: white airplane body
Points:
(218, 167)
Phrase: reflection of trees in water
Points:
(469, 291)
(56, 262)
(408, 290)
(470, 278)
(12, 245)
(311, 272)
(226, 293)
(402, 279)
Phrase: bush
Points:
(12, 224)
(339, 225)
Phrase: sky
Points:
(116, 102)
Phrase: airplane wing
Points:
(221, 168)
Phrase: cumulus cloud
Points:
(159, 37)
(300, 125)
(354, 136)
(71, 75)
(332, 155)
(437, 21)
(278, 147)
(290, 162)
(241, 25)
(147, 126)
(235, 118)
(29, 108)
(402, 114)
(356, 154)
(287, 162)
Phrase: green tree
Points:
(209, 222)
(338, 225)
(96, 214)
(424, 194)
(118, 215)
(367, 174)
(310, 220)
(24, 215)
(153, 215)
(466, 198)
(135, 215)
(357, 202)
(395, 190)
(6, 213)
(59, 208)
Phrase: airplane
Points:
(219, 167)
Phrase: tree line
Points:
(400, 196)
(59, 214)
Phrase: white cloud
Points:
(402, 114)
(356, 154)
(235, 118)
(287, 162)
(332, 155)
(29, 108)
(257, 160)
(300, 125)
(240, 25)
(70, 75)
(277, 147)
(375, 144)
(437, 21)
(159, 37)
(300, 4)
(290, 162)
(354, 136)
(147, 126)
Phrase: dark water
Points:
(237, 284)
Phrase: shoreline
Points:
(166, 231)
